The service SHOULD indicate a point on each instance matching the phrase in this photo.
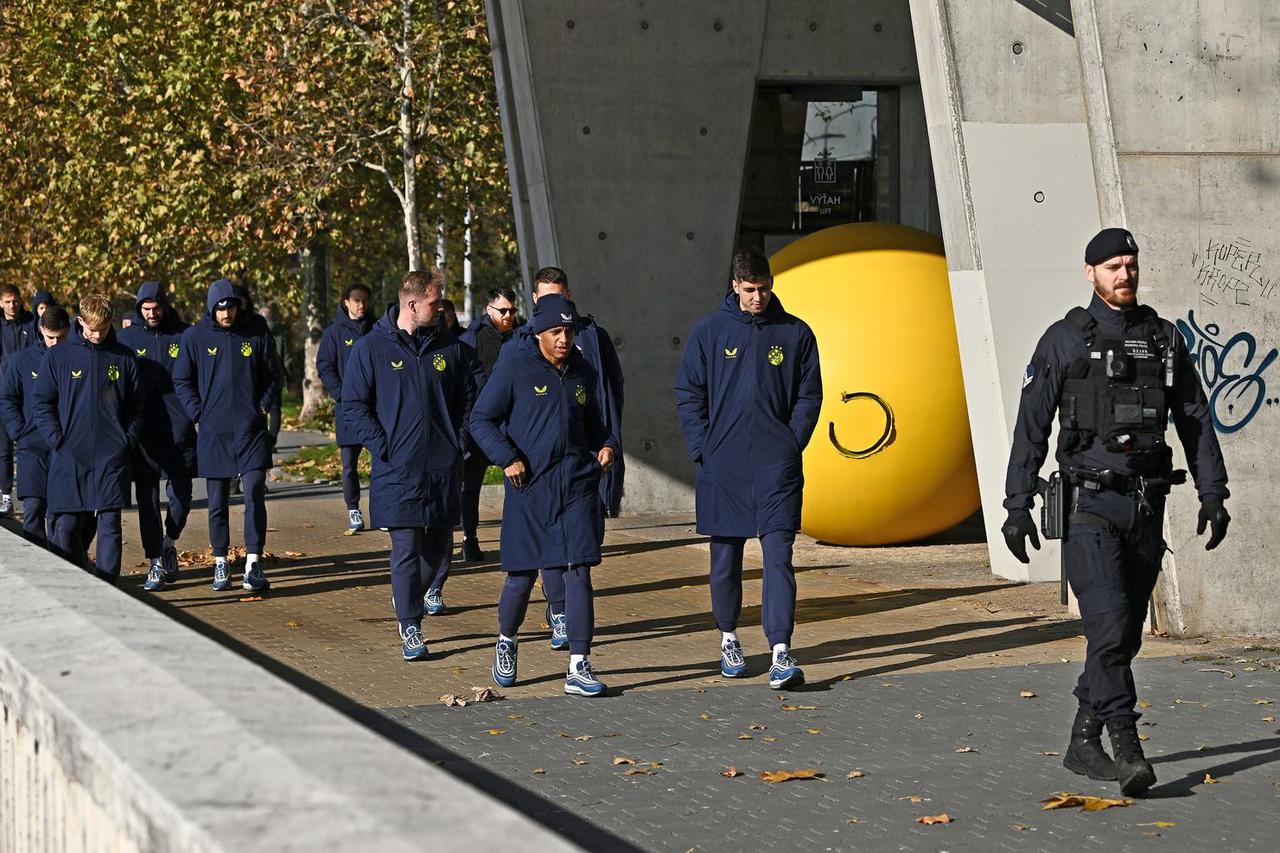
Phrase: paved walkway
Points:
(912, 654)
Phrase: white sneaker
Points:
(6, 504)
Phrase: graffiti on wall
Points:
(1233, 371)
(1231, 272)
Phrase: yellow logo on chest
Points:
(397, 365)
(113, 372)
(540, 390)
(730, 353)
(173, 350)
(142, 351)
(580, 395)
(76, 374)
(246, 349)
(775, 356)
(348, 341)
(212, 350)
(439, 363)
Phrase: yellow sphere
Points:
(891, 459)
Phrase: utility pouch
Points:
(1053, 513)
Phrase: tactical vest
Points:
(1118, 392)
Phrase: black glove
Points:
(1017, 527)
(1213, 514)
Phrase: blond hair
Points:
(417, 283)
(95, 310)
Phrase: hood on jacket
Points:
(218, 291)
(154, 291)
(42, 297)
(364, 324)
(772, 312)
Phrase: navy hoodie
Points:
(14, 334)
(486, 340)
(168, 435)
(549, 418)
(748, 393)
(16, 409)
(331, 363)
(31, 332)
(405, 397)
(88, 404)
(226, 379)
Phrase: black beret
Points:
(1108, 243)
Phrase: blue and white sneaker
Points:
(412, 646)
(254, 579)
(355, 520)
(784, 674)
(732, 663)
(433, 601)
(169, 564)
(559, 630)
(582, 681)
(504, 662)
(155, 577)
(221, 574)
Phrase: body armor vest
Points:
(1118, 393)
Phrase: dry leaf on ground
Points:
(744, 737)
(731, 773)
(1020, 827)
(756, 727)
(251, 598)
(577, 762)
(1027, 694)
(1209, 780)
(1062, 800)
(966, 749)
(1268, 719)
(485, 694)
(769, 739)
(915, 798)
(293, 555)
(538, 771)
(1159, 824)
(497, 731)
(583, 738)
(1263, 702)
(704, 716)
(919, 716)
(293, 623)
(930, 820)
(855, 774)
(622, 759)
(637, 771)
(799, 707)
(775, 776)
(1143, 703)
(854, 820)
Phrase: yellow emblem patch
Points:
(212, 350)
(76, 374)
(397, 365)
(730, 353)
(173, 350)
(439, 363)
(113, 372)
(540, 390)
(580, 395)
(775, 356)
(246, 350)
(348, 341)
(35, 375)
(142, 351)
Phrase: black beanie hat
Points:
(551, 311)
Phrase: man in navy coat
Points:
(88, 403)
(353, 322)
(227, 377)
(16, 402)
(15, 323)
(748, 394)
(408, 386)
(539, 418)
(168, 447)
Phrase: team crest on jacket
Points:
(397, 365)
(173, 350)
(730, 353)
(775, 356)
(211, 350)
(113, 372)
(142, 351)
(439, 363)
(540, 390)
(76, 374)
(580, 395)
(246, 349)
(348, 341)
(35, 375)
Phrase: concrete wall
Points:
(627, 126)
(1186, 135)
(1006, 116)
(122, 730)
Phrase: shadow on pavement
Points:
(1185, 787)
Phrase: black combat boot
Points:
(1132, 768)
(1085, 754)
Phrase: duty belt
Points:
(1139, 485)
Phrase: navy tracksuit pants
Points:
(473, 471)
(350, 476)
(1113, 555)
(578, 603)
(35, 521)
(255, 512)
(778, 610)
(420, 560)
(151, 527)
(73, 531)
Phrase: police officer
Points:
(168, 447)
(353, 322)
(1114, 373)
(748, 394)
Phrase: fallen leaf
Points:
(458, 670)
(1063, 800)
(655, 763)
(1144, 737)
(1020, 827)
(497, 731)
(799, 707)
(293, 623)
(1143, 703)
(485, 694)
(538, 771)
(966, 749)
(704, 716)
(1263, 702)
(637, 771)
(1209, 780)
(1159, 824)
(915, 798)
(515, 716)
(1027, 694)
(855, 774)
(744, 737)
(294, 554)
(769, 739)
(453, 700)
(577, 762)
(814, 731)
(1051, 753)
(855, 820)
(348, 532)
(731, 773)
(273, 529)
(622, 759)
(775, 776)
(249, 598)
(1268, 719)
(756, 727)
(919, 716)
(930, 820)
(583, 738)
(308, 525)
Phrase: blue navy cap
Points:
(551, 311)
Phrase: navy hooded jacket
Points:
(168, 435)
(748, 394)
(226, 379)
(14, 334)
(331, 363)
(16, 409)
(31, 332)
(88, 404)
(405, 397)
(549, 418)
(486, 340)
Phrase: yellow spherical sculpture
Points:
(891, 459)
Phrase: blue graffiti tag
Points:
(1236, 387)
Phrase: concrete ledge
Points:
(180, 744)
